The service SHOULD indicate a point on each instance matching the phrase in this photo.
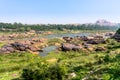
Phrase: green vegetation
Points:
(18, 27)
(42, 71)
(118, 31)
(95, 65)
(1, 44)
(54, 41)
(13, 63)
(102, 64)
(60, 65)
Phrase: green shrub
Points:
(118, 31)
(106, 76)
(100, 61)
(114, 72)
(107, 58)
(89, 64)
(117, 57)
(111, 41)
(43, 71)
(57, 72)
(35, 71)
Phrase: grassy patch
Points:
(12, 64)
(55, 41)
(1, 44)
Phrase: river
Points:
(49, 49)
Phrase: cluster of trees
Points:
(118, 31)
(45, 27)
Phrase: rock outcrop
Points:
(117, 37)
(69, 47)
(31, 45)
(110, 34)
(68, 39)
(84, 38)
(100, 49)
(92, 39)
(96, 41)
(103, 22)
(16, 46)
(7, 49)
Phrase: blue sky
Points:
(59, 11)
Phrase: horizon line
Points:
(32, 23)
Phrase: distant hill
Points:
(103, 22)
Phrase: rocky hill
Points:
(103, 22)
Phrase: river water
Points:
(65, 35)
(49, 49)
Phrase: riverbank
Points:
(78, 62)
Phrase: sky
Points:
(59, 11)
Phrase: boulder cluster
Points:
(68, 39)
(28, 45)
(92, 39)
(88, 43)
(88, 39)
(83, 47)
(68, 47)
(117, 37)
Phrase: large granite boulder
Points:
(86, 46)
(33, 48)
(96, 41)
(68, 39)
(68, 47)
(117, 37)
(17, 46)
(110, 34)
(84, 38)
(20, 46)
(7, 49)
(100, 49)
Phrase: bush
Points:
(114, 72)
(35, 72)
(107, 58)
(116, 58)
(100, 61)
(106, 76)
(118, 31)
(111, 42)
(44, 71)
(57, 72)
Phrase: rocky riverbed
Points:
(75, 42)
